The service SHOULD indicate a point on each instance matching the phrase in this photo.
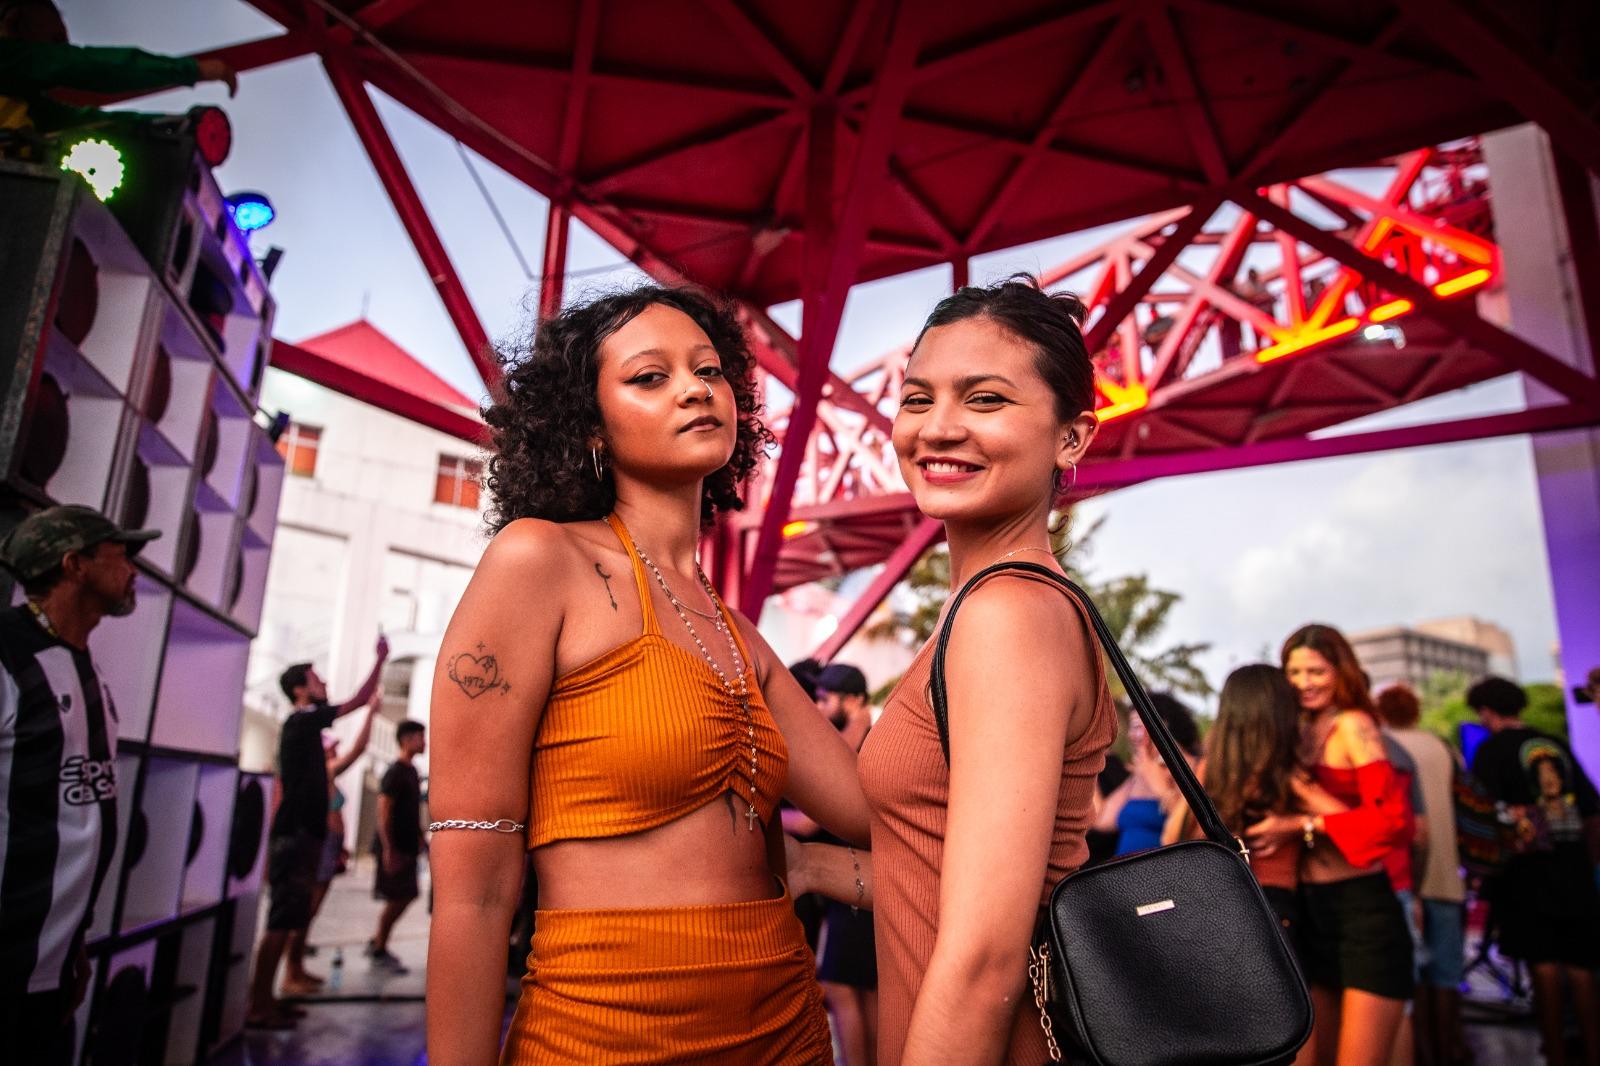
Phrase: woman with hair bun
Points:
(1356, 945)
(996, 411)
(598, 705)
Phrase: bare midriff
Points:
(702, 857)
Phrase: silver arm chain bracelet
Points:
(504, 825)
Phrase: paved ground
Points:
(370, 1018)
(366, 1016)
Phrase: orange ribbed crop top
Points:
(646, 733)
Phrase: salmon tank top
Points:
(646, 733)
(907, 785)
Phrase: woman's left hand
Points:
(1272, 832)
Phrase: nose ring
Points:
(710, 393)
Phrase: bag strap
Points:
(1205, 812)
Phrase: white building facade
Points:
(379, 529)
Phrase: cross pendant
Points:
(750, 817)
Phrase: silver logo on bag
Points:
(1155, 908)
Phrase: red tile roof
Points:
(366, 351)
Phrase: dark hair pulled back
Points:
(547, 412)
(1051, 322)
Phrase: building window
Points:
(298, 446)
(457, 483)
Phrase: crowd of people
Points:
(646, 753)
(306, 845)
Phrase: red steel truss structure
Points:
(775, 151)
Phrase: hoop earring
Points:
(594, 456)
(1072, 479)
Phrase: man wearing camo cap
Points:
(58, 757)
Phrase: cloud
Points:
(1358, 542)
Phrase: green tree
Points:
(1546, 710)
(1444, 707)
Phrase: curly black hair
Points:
(546, 412)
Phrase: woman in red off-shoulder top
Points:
(1357, 948)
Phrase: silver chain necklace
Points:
(740, 694)
(1019, 551)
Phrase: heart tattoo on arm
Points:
(477, 674)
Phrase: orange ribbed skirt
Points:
(725, 983)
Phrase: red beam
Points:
(1106, 50)
(1122, 304)
(578, 89)
(414, 216)
(754, 42)
(304, 363)
(1120, 473)
(849, 42)
(777, 352)
(1512, 68)
(929, 532)
(552, 278)
(1456, 316)
(971, 54)
(833, 259)
(382, 12)
(1198, 125)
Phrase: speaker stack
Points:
(133, 337)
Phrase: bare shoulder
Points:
(524, 564)
(760, 650)
(1357, 733)
(1018, 609)
(527, 550)
(1355, 723)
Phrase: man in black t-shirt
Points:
(1545, 900)
(298, 826)
(399, 841)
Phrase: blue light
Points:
(250, 210)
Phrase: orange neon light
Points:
(1124, 400)
(1300, 342)
(794, 529)
(1392, 309)
(1471, 279)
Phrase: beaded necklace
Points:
(740, 693)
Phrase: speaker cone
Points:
(80, 294)
(249, 822)
(49, 428)
(159, 394)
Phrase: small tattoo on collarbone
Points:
(477, 674)
(607, 579)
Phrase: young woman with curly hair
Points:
(1356, 945)
(643, 732)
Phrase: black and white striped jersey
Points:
(58, 795)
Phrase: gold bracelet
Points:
(861, 888)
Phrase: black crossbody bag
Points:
(1169, 957)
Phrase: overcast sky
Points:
(1358, 542)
